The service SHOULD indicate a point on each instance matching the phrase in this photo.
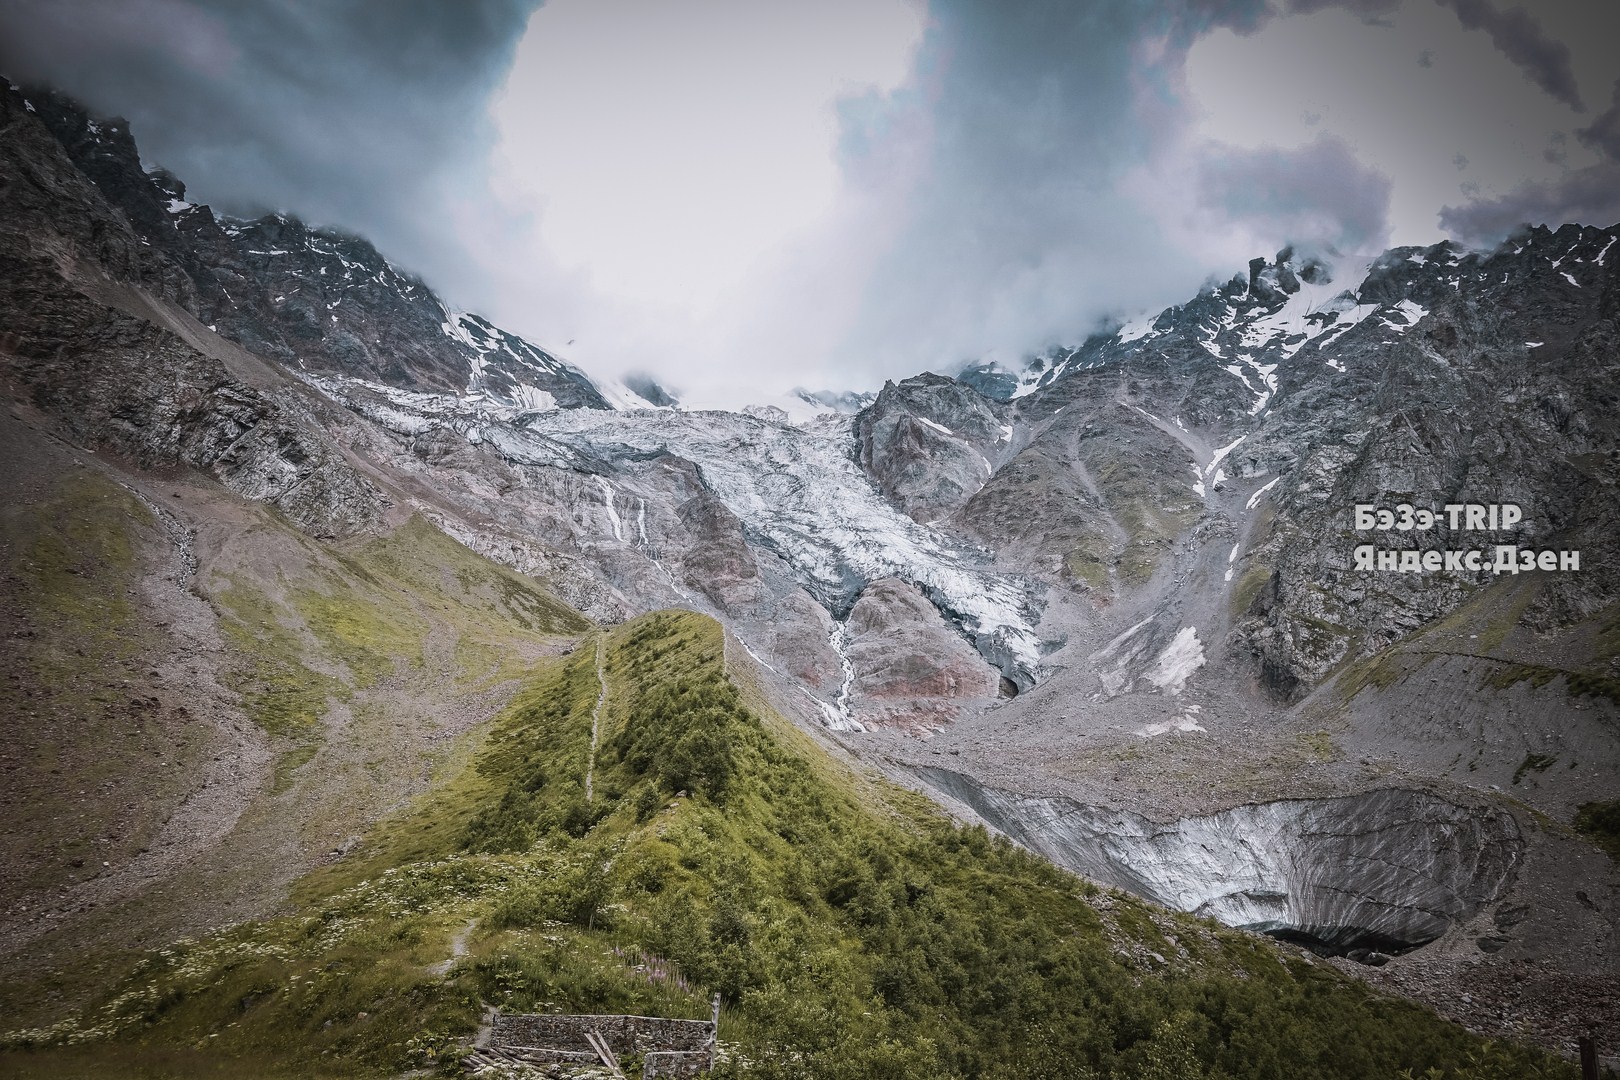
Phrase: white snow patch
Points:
(1412, 311)
(1300, 318)
(1254, 500)
(937, 427)
(1570, 279)
(1534, 344)
(1235, 370)
(1232, 555)
(532, 398)
(1138, 328)
(1119, 639)
(1605, 251)
(1221, 453)
(1187, 721)
(1183, 656)
(1350, 315)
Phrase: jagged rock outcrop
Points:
(1498, 390)
(1423, 375)
(929, 442)
(1408, 377)
(911, 670)
(719, 563)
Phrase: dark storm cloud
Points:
(1519, 37)
(1370, 10)
(1589, 196)
(1514, 32)
(1018, 230)
(345, 113)
(1319, 191)
(1604, 133)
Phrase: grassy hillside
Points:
(204, 702)
(851, 929)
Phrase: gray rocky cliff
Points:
(312, 298)
(930, 443)
(90, 346)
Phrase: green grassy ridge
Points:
(720, 855)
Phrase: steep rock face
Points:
(1257, 413)
(910, 669)
(1498, 390)
(1095, 499)
(1389, 870)
(929, 442)
(719, 563)
(313, 299)
(104, 152)
(118, 380)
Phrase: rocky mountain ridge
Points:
(314, 299)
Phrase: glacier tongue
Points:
(796, 490)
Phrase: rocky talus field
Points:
(369, 667)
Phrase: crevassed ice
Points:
(796, 490)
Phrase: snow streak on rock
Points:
(1254, 500)
(612, 513)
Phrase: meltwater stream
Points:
(1386, 871)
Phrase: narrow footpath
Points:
(596, 717)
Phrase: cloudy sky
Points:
(743, 195)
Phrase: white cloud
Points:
(670, 153)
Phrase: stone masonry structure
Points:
(670, 1049)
